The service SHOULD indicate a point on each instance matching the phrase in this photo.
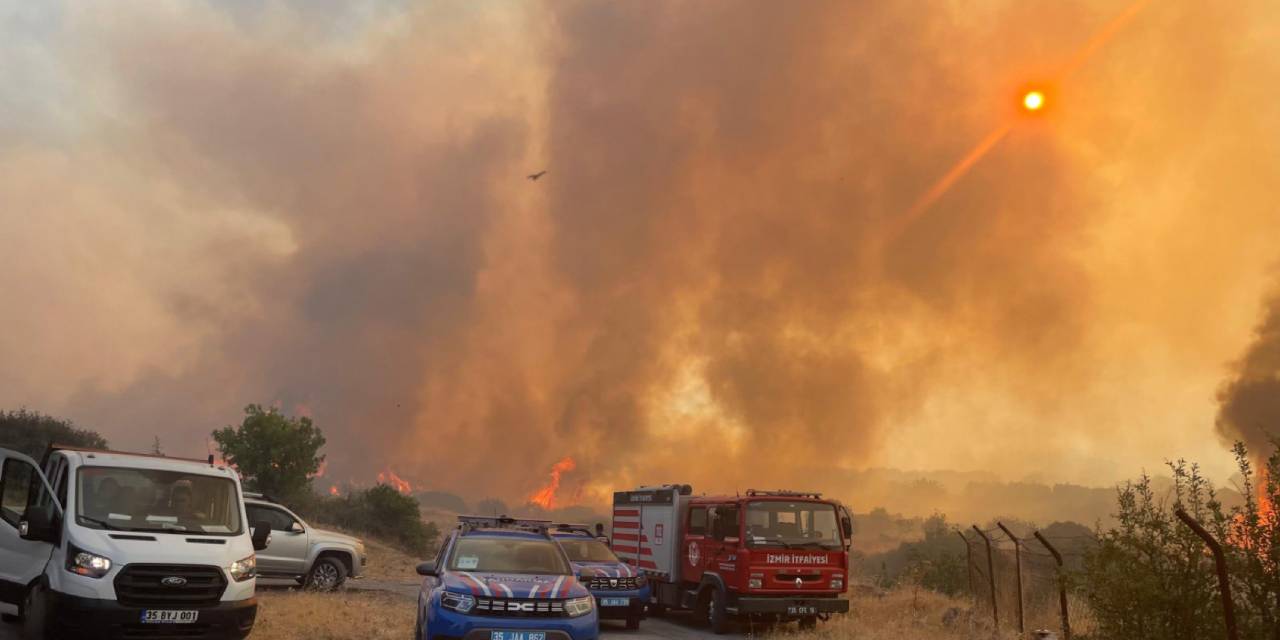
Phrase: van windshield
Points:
(793, 525)
(123, 499)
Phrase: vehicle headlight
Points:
(837, 582)
(579, 606)
(244, 568)
(84, 563)
(460, 602)
(755, 583)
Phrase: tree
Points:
(32, 433)
(275, 454)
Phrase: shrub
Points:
(381, 512)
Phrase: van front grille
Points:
(169, 585)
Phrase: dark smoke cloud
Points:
(1249, 402)
(331, 215)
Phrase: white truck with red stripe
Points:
(779, 555)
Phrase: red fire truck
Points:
(781, 555)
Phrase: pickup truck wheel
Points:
(717, 614)
(327, 574)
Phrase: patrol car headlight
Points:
(460, 602)
(579, 606)
(84, 563)
(244, 568)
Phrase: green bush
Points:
(381, 512)
(1152, 578)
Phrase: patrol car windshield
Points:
(122, 499)
(792, 525)
(507, 555)
(587, 550)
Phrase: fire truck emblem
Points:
(799, 583)
(694, 554)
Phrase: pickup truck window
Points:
(279, 520)
(155, 500)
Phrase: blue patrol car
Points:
(503, 579)
(621, 592)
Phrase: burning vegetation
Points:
(389, 478)
(546, 496)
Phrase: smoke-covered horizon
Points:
(326, 209)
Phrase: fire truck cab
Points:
(780, 555)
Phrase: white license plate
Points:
(615, 602)
(160, 616)
(802, 610)
(517, 635)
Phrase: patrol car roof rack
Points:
(568, 527)
(471, 523)
(785, 493)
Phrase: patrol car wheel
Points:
(327, 574)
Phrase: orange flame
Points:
(546, 496)
(1266, 510)
(320, 471)
(333, 490)
(394, 481)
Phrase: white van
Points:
(102, 544)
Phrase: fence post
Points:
(991, 572)
(968, 565)
(1017, 559)
(1224, 581)
(1062, 587)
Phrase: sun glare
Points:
(1033, 100)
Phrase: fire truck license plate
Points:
(614, 602)
(517, 635)
(153, 616)
(802, 611)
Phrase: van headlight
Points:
(579, 606)
(84, 563)
(244, 568)
(459, 602)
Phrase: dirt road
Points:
(673, 627)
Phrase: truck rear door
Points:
(23, 489)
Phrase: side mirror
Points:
(261, 535)
(428, 568)
(846, 526)
(37, 526)
(294, 527)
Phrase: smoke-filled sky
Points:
(720, 280)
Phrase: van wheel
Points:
(35, 615)
(326, 574)
(717, 614)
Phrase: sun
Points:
(1033, 100)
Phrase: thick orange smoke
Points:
(389, 478)
(546, 496)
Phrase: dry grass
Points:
(388, 563)
(903, 614)
(304, 615)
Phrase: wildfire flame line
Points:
(546, 496)
(394, 481)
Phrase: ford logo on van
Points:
(174, 581)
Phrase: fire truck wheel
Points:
(717, 614)
(657, 610)
(808, 624)
(633, 622)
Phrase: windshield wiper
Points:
(102, 523)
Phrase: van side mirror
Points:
(38, 526)
(261, 535)
(428, 568)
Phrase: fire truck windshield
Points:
(793, 525)
(584, 550)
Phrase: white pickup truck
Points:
(104, 544)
